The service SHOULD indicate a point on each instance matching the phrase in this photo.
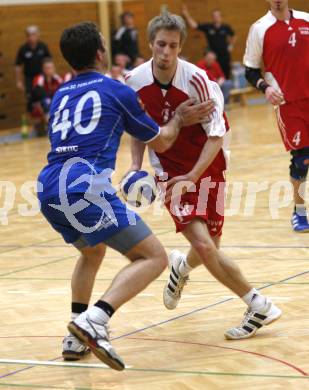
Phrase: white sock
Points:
(300, 209)
(254, 300)
(74, 315)
(98, 315)
(184, 267)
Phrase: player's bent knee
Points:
(299, 164)
(161, 260)
(94, 254)
(205, 249)
(149, 249)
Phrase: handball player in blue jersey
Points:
(87, 119)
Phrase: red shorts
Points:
(293, 122)
(207, 203)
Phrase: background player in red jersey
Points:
(44, 87)
(195, 161)
(280, 40)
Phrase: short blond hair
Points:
(167, 21)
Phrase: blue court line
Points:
(26, 368)
(16, 372)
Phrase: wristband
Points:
(263, 86)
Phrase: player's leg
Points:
(293, 123)
(85, 272)
(181, 265)
(203, 251)
(148, 260)
(298, 175)
(223, 269)
(82, 283)
(261, 311)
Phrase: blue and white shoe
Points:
(299, 223)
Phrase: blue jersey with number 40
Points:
(87, 118)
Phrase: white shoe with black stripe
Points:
(253, 321)
(176, 282)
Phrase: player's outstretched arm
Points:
(142, 127)
(187, 113)
(191, 22)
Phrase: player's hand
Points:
(178, 186)
(192, 113)
(20, 85)
(273, 96)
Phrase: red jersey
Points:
(283, 46)
(51, 86)
(189, 81)
(214, 72)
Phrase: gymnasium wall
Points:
(53, 16)
(52, 19)
(240, 14)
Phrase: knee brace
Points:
(299, 164)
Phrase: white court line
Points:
(49, 363)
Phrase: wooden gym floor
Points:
(177, 350)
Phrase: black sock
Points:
(109, 310)
(78, 308)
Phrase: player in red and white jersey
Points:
(195, 164)
(280, 40)
(44, 87)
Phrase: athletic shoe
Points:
(175, 283)
(96, 336)
(299, 223)
(73, 349)
(253, 321)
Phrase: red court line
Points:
(221, 347)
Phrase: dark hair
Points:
(124, 15)
(79, 45)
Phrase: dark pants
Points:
(28, 92)
(224, 60)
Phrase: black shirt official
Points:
(217, 37)
(31, 58)
(125, 40)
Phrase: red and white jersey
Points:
(189, 81)
(50, 86)
(283, 46)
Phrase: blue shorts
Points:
(85, 223)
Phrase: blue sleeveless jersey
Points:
(87, 118)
